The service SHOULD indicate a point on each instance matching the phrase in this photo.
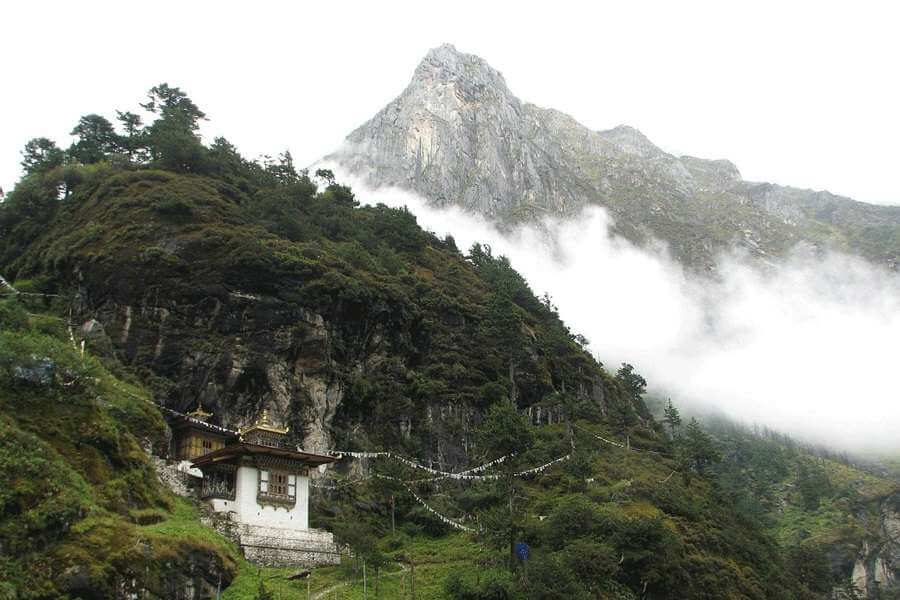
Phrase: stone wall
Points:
(274, 546)
(277, 546)
(178, 476)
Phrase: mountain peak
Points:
(444, 52)
(448, 65)
(458, 136)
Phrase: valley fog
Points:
(807, 347)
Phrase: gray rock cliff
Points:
(457, 136)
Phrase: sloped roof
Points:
(246, 449)
(176, 418)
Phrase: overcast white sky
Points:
(800, 93)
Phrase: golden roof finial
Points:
(199, 413)
(264, 424)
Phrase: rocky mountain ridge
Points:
(458, 136)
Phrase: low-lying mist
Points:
(810, 347)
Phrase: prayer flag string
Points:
(442, 518)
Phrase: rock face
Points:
(878, 563)
(192, 575)
(365, 331)
(458, 136)
(264, 357)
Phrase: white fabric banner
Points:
(444, 519)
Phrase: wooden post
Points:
(412, 579)
(512, 535)
(365, 590)
(393, 521)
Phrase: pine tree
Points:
(671, 417)
(96, 139)
(699, 447)
(133, 140)
(40, 155)
(173, 140)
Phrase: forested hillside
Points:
(198, 276)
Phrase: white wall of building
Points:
(303, 499)
(249, 511)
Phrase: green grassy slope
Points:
(82, 513)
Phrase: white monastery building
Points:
(259, 482)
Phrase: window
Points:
(218, 484)
(277, 485)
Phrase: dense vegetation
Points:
(219, 261)
(82, 514)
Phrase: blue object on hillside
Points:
(522, 551)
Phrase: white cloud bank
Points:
(810, 348)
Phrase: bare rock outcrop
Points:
(458, 136)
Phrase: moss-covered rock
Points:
(77, 485)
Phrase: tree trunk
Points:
(513, 393)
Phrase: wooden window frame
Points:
(276, 487)
(219, 483)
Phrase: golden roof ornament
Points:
(264, 424)
(199, 413)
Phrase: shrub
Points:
(488, 584)
(549, 579)
(12, 315)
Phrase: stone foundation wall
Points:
(223, 524)
(274, 546)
